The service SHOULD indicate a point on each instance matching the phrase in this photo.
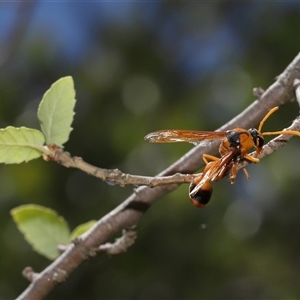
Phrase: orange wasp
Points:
(234, 147)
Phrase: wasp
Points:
(234, 147)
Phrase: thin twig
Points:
(115, 176)
(130, 212)
(121, 244)
(29, 274)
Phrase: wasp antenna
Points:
(289, 132)
(266, 117)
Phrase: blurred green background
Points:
(140, 67)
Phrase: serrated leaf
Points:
(56, 111)
(42, 227)
(82, 228)
(20, 144)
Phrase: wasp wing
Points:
(190, 136)
(215, 170)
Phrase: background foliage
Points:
(140, 67)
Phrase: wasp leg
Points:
(233, 172)
(246, 173)
(251, 158)
(205, 158)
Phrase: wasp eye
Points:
(202, 197)
(257, 138)
(260, 141)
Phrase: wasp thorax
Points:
(233, 138)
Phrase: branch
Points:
(115, 176)
(274, 144)
(130, 212)
(282, 139)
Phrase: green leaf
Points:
(20, 144)
(42, 227)
(56, 111)
(82, 228)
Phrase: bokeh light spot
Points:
(140, 95)
(242, 220)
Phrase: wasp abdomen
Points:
(202, 197)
